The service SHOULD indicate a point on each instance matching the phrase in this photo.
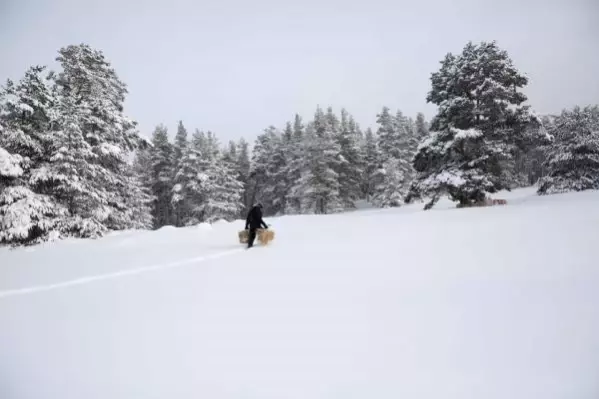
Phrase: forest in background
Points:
(66, 146)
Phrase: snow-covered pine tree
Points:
(411, 142)
(190, 191)
(94, 88)
(27, 113)
(320, 182)
(11, 166)
(212, 151)
(139, 200)
(278, 186)
(573, 157)
(262, 184)
(223, 192)
(391, 190)
(199, 141)
(354, 128)
(295, 166)
(143, 174)
(181, 142)
(350, 161)
(230, 153)
(142, 166)
(389, 139)
(419, 133)
(26, 217)
(332, 122)
(72, 174)
(393, 133)
(372, 162)
(480, 121)
(179, 203)
(389, 187)
(421, 127)
(243, 171)
(161, 160)
(535, 155)
(408, 145)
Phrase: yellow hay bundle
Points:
(264, 236)
(244, 236)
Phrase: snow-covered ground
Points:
(499, 302)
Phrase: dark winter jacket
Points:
(254, 219)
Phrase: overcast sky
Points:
(237, 66)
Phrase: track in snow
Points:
(110, 276)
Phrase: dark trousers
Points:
(252, 237)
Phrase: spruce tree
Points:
(190, 191)
(480, 121)
(573, 157)
(264, 158)
(223, 192)
(88, 80)
(199, 141)
(243, 172)
(139, 202)
(28, 214)
(320, 182)
(230, 154)
(391, 187)
(161, 160)
(26, 217)
(372, 162)
(389, 139)
(180, 147)
(394, 135)
(143, 174)
(212, 150)
(278, 186)
(350, 167)
(295, 166)
(258, 177)
(421, 127)
(73, 173)
(181, 142)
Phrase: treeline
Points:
(193, 180)
(320, 166)
(65, 149)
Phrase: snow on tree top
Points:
(147, 141)
(10, 165)
(450, 177)
(110, 149)
(25, 107)
(461, 134)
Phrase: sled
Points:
(264, 236)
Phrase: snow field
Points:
(486, 302)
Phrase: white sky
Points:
(237, 66)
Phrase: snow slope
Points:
(497, 302)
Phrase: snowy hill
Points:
(487, 303)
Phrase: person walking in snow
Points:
(253, 222)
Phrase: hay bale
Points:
(265, 236)
(244, 236)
